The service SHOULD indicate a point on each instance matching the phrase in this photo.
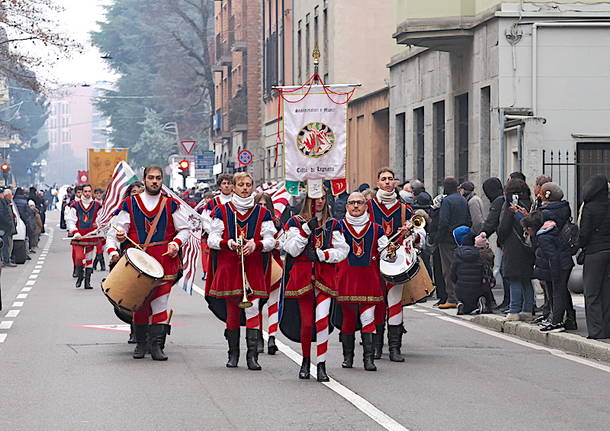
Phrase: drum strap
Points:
(153, 226)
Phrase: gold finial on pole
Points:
(316, 59)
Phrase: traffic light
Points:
(5, 171)
(184, 166)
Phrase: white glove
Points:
(77, 235)
(232, 244)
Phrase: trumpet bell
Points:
(245, 304)
(418, 221)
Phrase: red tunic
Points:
(227, 275)
(305, 274)
(358, 276)
(85, 222)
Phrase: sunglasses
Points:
(355, 202)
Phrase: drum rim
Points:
(137, 268)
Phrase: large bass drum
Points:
(132, 280)
(403, 269)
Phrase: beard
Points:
(152, 191)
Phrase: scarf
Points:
(386, 198)
(243, 204)
(359, 222)
(86, 202)
(225, 198)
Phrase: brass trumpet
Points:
(244, 281)
(418, 221)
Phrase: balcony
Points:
(446, 34)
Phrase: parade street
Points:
(66, 365)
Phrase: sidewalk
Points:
(570, 341)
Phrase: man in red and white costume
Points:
(386, 210)
(78, 192)
(225, 185)
(253, 224)
(134, 220)
(358, 279)
(80, 221)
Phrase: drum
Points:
(132, 280)
(402, 269)
(419, 287)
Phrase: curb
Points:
(572, 343)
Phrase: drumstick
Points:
(135, 244)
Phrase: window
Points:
(307, 48)
(485, 127)
(299, 54)
(418, 141)
(400, 142)
(315, 27)
(324, 60)
(461, 137)
(438, 141)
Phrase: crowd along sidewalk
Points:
(575, 342)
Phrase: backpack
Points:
(569, 233)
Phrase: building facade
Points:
(355, 41)
(237, 52)
(485, 88)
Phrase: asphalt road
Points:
(57, 373)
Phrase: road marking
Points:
(6, 324)
(36, 271)
(554, 352)
(2, 338)
(12, 313)
(22, 296)
(356, 400)
(420, 310)
(431, 314)
(38, 267)
(33, 276)
(26, 289)
(17, 304)
(30, 282)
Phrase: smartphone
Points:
(515, 200)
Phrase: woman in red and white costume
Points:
(134, 219)
(240, 218)
(314, 244)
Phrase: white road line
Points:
(33, 276)
(26, 289)
(431, 314)
(12, 313)
(554, 352)
(17, 304)
(6, 324)
(2, 338)
(35, 271)
(30, 282)
(38, 267)
(22, 296)
(356, 400)
(420, 310)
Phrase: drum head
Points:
(145, 263)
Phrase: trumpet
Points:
(244, 281)
(418, 221)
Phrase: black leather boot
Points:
(158, 331)
(132, 336)
(141, 332)
(368, 356)
(395, 342)
(80, 276)
(378, 340)
(252, 352)
(232, 336)
(322, 376)
(88, 272)
(348, 342)
(75, 272)
(100, 258)
(304, 371)
(260, 347)
(271, 347)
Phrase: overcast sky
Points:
(77, 21)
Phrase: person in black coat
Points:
(518, 257)
(7, 228)
(555, 214)
(467, 271)
(25, 212)
(454, 212)
(594, 238)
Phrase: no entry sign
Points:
(245, 157)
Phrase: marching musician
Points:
(160, 226)
(386, 210)
(99, 248)
(239, 227)
(80, 221)
(78, 192)
(314, 244)
(358, 279)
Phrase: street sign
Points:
(245, 157)
(205, 160)
(188, 146)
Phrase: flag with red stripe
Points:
(122, 177)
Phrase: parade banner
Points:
(315, 133)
